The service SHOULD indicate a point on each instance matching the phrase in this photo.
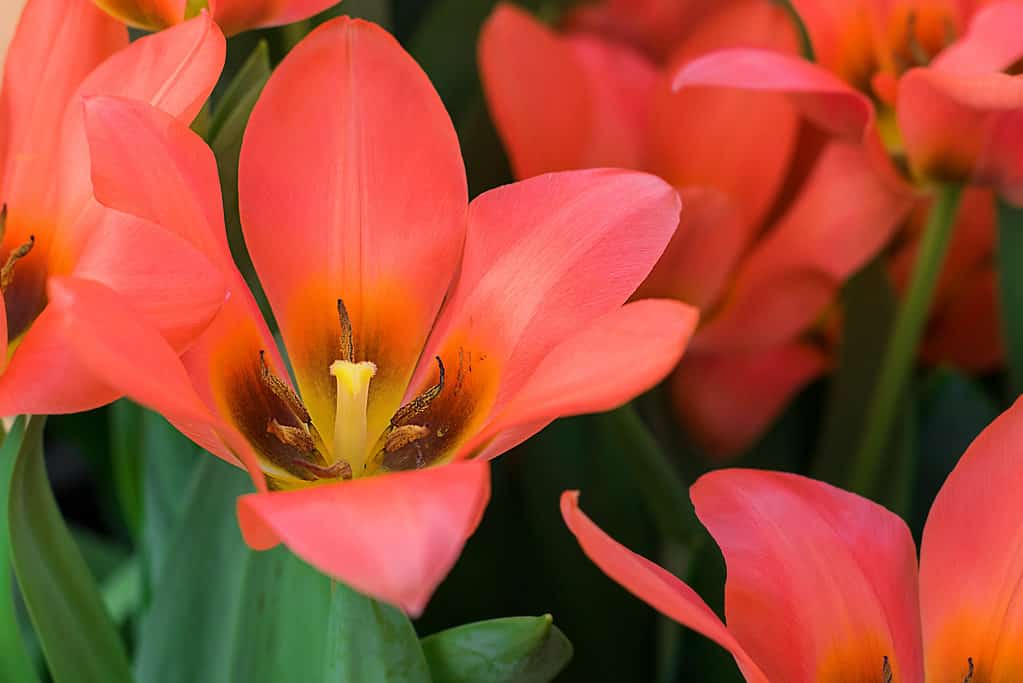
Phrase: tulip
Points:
(775, 221)
(52, 228)
(426, 334)
(823, 585)
(233, 16)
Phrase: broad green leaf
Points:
(513, 650)
(370, 642)
(223, 613)
(78, 639)
(1010, 281)
(14, 660)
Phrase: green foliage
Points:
(1010, 282)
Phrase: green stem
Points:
(805, 43)
(901, 350)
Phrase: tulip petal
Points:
(844, 215)
(653, 585)
(148, 164)
(727, 401)
(543, 260)
(393, 537)
(964, 127)
(655, 26)
(562, 103)
(834, 574)
(149, 15)
(370, 192)
(174, 70)
(971, 561)
(585, 373)
(701, 258)
(235, 16)
(56, 44)
(706, 136)
(821, 96)
(115, 343)
(991, 42)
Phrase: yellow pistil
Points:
(350, 437)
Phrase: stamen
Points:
(399, 437)
(339, 470)
(886, 670)
(350, 437)
(296, 437)
(916, 50)
(969, 675)
(347, 338)
(7, 272)
(282, 391)
(420, 403)
(3, 221)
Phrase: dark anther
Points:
(281, 390)
(399, 437)
(969, 671)
(7, 272)
(296, 437)
(339, 470)
(886, 670)
(3, 221)
(420, 403)
(347, 338)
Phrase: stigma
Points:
(351, 440)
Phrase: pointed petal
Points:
(841, 569)
(971, 560)
(584, 373)
(57, 42)
(174, 70)
(117, 345)
(370, 188)
(393, 537)
(235, 16)
(149, 15)
(727, 401)
(991, 42)
(701, 258)
(844, 215)
(562, 102)
(964, 127)
(151, 165)
(706, 136)
(822, 96)
(652, 584)
(543, 259)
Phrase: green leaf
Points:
(14, 660)
(514, 650)
(78, 639)
(1010, 282)
(222, 612)
(370, 642)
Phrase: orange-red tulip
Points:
(426, 334)
(233, 16)
(775, 219)
(823, 585)
(52, 227)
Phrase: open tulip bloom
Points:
(426, 334)
(233, 16)
(823, 585)
(53, 230)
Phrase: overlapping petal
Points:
(394, 538)
(364, 200)
(653, 585)
(235, 16)
(971, 561)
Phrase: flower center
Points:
(350, 432)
